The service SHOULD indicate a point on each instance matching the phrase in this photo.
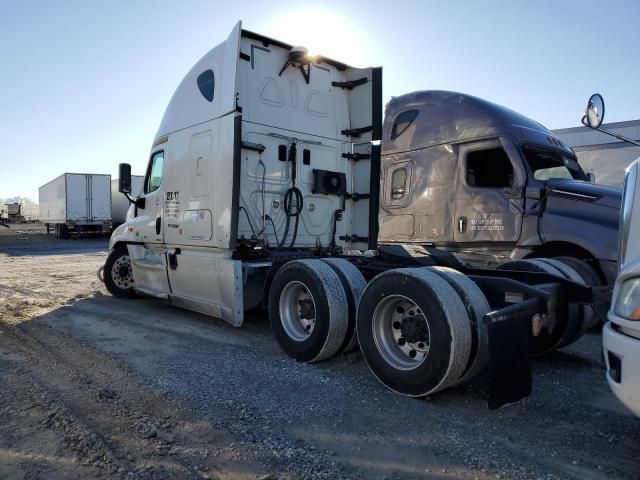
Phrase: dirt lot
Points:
(96, 387)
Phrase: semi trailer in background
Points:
(119, 202)
(30, 212)
(263, 188)
(75, 203)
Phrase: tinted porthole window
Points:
(206, 84)
(402, 122)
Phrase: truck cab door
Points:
(148, 258)
(489, 194)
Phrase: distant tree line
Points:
(17, 199)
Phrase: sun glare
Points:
(322, 32)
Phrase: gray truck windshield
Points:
(547, 163)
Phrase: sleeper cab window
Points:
(206, 84)
(154, 175)
(399, 184)
(402, 122)
(489, 168)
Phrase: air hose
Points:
(293, 200)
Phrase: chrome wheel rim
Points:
(121, 272)
(297, 311)
(401, 332)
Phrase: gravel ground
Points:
(173, 394)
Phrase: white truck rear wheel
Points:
(414, 331)
(477, 306)
(354, 284)
(308, 310)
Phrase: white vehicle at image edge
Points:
(621, 334)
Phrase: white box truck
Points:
(263, 187)
(119, 202)
(76, 203)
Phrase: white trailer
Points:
(30, 212)
(120, 203)
(262, 188)
(76, 203)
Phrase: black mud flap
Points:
(509, 363)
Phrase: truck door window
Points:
(490, 168)
(546, 163)
(399, 184)
(402, 122)
(155, 172)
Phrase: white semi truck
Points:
(120, 203)
(621, 334)
(76, 203)
(262, 188)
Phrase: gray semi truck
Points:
(491, 186)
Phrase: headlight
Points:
(628, 299)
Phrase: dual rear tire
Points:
(309, 310)
(420, 329)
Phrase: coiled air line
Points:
(293, 200)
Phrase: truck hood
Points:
(586, 192)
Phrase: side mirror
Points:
(124, 180)
(591, 177)
(594, 114)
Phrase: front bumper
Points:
(622, 355)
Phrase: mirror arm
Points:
(619, 137)
(130, 198)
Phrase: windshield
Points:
(546, 163)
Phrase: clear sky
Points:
(84, 84)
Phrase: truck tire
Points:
(308, 310)
(414, 331)
(585, 313)
(591, 278)
(118, 274)
(354, 284)
(566, 320)
(477, 306)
